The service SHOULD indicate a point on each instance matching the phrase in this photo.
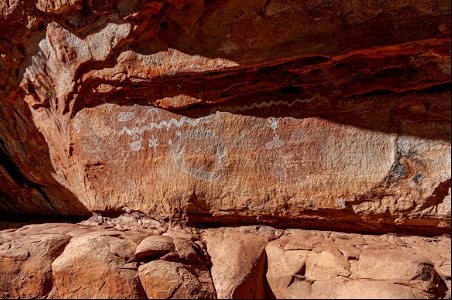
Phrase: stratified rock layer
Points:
(57, 260)
(314, 114)
(162, 118)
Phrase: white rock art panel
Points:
(265, 104)
(189, 149)
(192, 160)
(152, 123)
(305, 153)
(167, 124)
(153, 143)
(276, 142)
(125, 116)
(136, 145)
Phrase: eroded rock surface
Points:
(314, 114)
(160, 118)
(304, 264)
(56, 260)
(94, 265)
(25, 263)
(238, 262)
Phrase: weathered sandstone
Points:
(254, 262)
(238, 262)
(151, 246)
(225, 149)
(94, 265)
(25, 264)
(318, 114)
(303, 264)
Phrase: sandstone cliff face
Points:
(173, 122)
(315, 114)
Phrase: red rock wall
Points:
(314, 114)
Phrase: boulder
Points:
(95, 265)
(331, 265)
(238, 263)
(57, 260)
(26, 263)
(365, 289)
(172, 280)
(153, 246)
(326, 264)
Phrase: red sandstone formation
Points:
(328, 115)
(57, 260)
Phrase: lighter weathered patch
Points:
(273, 123)
(136, 146)
(264, 104)
(125, 116)
(220, 154)
(153, 143)
(340, 203)
(164, 124)
(275, 143)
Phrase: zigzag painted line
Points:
(268, 104)
(194, 122)
(163, 124)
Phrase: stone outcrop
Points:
(55, 260)
(238, 262)
(320, 114)
(95, 265)
(225, 149)
(26, 257)
(303, 264)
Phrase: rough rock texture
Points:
(238, 262)
(25, 264)
(314, 114)
(180, 273)
(165, 120)
(95, 265)
(26, 257)
(303, 264)
(56, 260)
